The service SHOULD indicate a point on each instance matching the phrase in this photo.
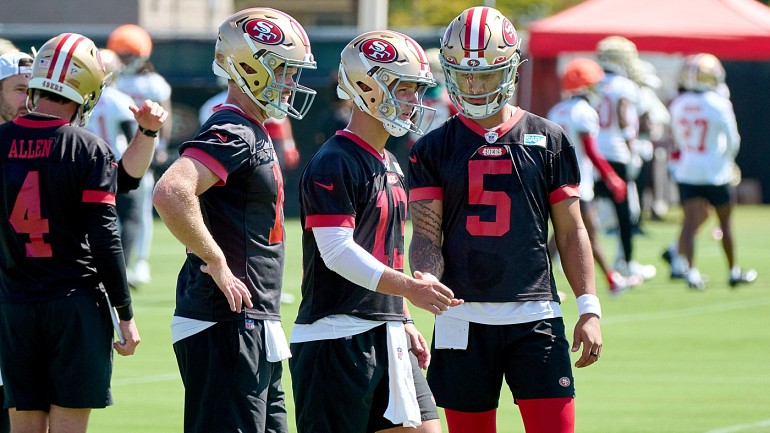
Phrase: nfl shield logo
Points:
(400, 354)
(249, 323)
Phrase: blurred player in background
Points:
(619, 128)
(223, 199)
(356, 352)
(139, 80)
(706, 134)
(482, 189)
(581, 123)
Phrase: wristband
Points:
(125, 313)
(408, 320)
(589, 304)
(148, 132)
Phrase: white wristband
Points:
(589, 304)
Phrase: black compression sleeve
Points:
(107, 252)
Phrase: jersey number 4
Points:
(26, 217)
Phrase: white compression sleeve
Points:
(344, 256)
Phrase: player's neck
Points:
(496, 119)
(368, 129)
(55, 109)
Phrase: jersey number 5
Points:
(478, 195)
(26, 217)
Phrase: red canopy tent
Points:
(729, 29)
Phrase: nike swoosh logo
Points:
(328, 187)
(413, 159)
(222, 137)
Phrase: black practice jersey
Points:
(497, 188)
(243, 212)
(57, 213)
(348, 184)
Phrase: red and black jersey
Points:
(497, 188)
(348, 184)
(57, 213)
(244, 214)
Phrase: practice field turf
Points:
(674, 360)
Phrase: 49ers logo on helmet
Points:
(263, 31)
(509, 33)
(379, 50)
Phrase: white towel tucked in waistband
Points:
(402, 404)
(275, 342)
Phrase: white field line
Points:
(741, 427)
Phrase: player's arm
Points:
(176, 199)
(420, 347)
(607, 173)
(138, 155)
(343, 255)
(425, 248)
(107, 252)
(572, 241)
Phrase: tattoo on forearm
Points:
(425, 256)
(425, 249)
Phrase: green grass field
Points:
(674, 360)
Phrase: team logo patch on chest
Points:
(492, 151)
(534, 140)
(392, 178)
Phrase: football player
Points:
(619, 128)
(352, 367)
(482, 189)
(581, 123)
(223, 199)
(705, 133)
(61, 249)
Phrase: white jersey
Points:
(611, 139)
(706, 132)
(576, 116)
(142, 86)
(207, 109)
(110, 112)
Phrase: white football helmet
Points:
(480, 54)
(254, 43)
(374, 66)
(70, 66)
(616, 54)
(701, 73)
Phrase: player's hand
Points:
(589, 334)
(419, 345)
(234, 289)
(430, 295)
(130, 335)
(150, 115)
(291, 158)
(617, 187)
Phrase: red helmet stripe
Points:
(468, 30)
(56, 54)
(482, 27)
(66, 64)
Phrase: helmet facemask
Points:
(458, 80)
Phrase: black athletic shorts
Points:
(229, 384)
(534, 359)
(717, 195)
(56, 352)
(341, 385)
